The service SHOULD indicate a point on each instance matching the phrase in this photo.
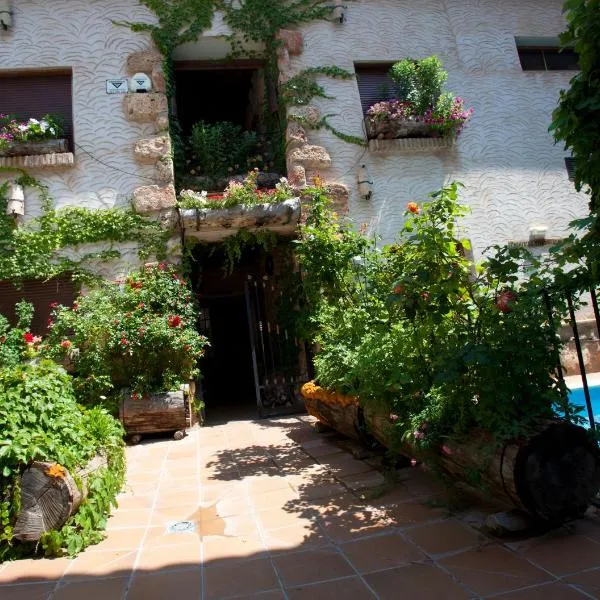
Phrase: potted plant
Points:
(133, 344)
(420, 107)
(24, 138)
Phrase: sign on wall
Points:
(116, 86)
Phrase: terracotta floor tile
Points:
(363, 481)
(270, 595)
(354, 521)
(493, 570)
(135, 501)
(589, 581)
(34, 591)
(102, 589)
(240, 525)
(128, 518)
(186, 585)
(407, 514)
(321, 564)
(344, 464)
(264, 484)
(294, 538)
(276, 518)
(221, 491)
(351, 588)
(158, 536)
(161, 517)
(120, 539)
(447, 536)
(281, 498)
(562, 554)
(553, 591)
(421, 582)
(230, 548)
(246, 579)
(30, 570)
(178, 498)
(233, 507)
(179, 556)
(112, 563)
(381, 552)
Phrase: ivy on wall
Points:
(33, 250)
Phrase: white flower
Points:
(23, 127)
(34, 122)
(283, 180)
(43, 126)
(203, 193)
(52, 131)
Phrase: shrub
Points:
(17, 342)
(139, 333)
(40, 420)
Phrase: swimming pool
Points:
(576, 396)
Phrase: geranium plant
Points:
(139, 333)
(419, 103)
(13, 130)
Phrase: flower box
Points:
(34, 148)
(391, 129)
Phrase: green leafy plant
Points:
(40, 420)
(17, 343)
(139, 334)
(11, 130)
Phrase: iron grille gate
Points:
(280, 361)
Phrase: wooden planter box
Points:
(166, 412)
(35, 148)
(391, 130)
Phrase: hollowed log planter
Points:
(34, 148)
(155, 413)
(384, 129)
(553, 474)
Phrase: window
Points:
(29, 94)
(374, 83)
(545, 54)
(570, 164)
(40, 294)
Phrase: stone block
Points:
(144, 108)
(159, 83)
(295, 135)
(151, 198)
(162, 123)
(297, 176)
(164, 170)
(143, 61)
(315, 157)
(292, 40)
(149, 150)
(308, 115)
(339, 195)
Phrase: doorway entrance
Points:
(255, 366)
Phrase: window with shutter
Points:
(41, 294)
(35, 94)
(374, 83)
(545, 54)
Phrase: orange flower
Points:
(413, 207)
(66, 344)
(56, 470)
(398, 289)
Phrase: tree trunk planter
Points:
(393, 129)
(49, 496)
(552, 474)
(157, 413)
(35, 147)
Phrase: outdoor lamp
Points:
(339, 11)
(5, 15)
(537, 234)
(16, 200)
(365, 184)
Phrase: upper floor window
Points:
(545, 54)
(27, 95)
(374, 83)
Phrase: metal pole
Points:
(596, 312)
(586, 389)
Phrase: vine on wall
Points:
(33, 250)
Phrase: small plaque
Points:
(116, 86)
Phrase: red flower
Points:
(28, 338)
(53, 305)
(174, 320)
(413, 207)
(66, 344)
(2, 339)
(162, 266)
(425, 296)
(187, 347)
(136, 285)
(50, 322)
(141, 305)
(505, 301)
(393, 418)
(135, 396)
(124, 342)
(75, 305)
(398, 289)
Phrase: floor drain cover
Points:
(181, 527)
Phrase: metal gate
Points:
(280, 362)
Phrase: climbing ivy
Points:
(33, 250)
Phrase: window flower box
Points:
(34, 147)
(391, 129)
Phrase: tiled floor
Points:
(276, 511)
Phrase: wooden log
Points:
(153, 413)
(49, 496)
(33, 148)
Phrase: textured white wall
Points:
(79, 34)
(513, 173)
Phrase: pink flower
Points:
(66, 344)
(53, 305)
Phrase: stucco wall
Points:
(513, 173)
(79, 34)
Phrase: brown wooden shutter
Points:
(27, 95)
(374, 83)
(40, 294)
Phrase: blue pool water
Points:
(577, 397)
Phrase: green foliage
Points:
(234, 245)
(33, 250)
(217, 149)
(419, 81)
(13, 340)
(40, 420)
(415, 331)
(32, 130)
(576, 121)
(139, 333)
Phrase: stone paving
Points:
(275, 511)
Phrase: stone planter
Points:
(390, 130)
(35, 148)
